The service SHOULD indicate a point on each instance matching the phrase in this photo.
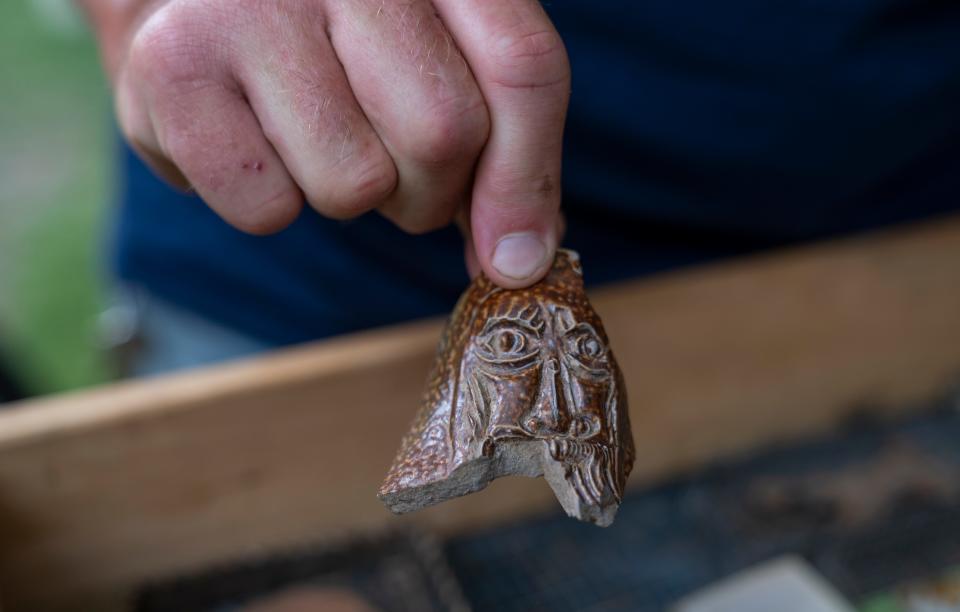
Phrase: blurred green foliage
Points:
(881, 603)
(55, 149)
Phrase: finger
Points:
(137, 128)
(521, 67)
(309, 113)
(215, 140)
(203, 125)
(470, 257)
(416, 89)
(462, 219)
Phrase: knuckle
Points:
(530, 59)
(365, 187)
(520, 194)
(451, 130)
(168, 49)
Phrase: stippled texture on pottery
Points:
(524, 384)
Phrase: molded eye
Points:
(589, 346)
(506, 343)
(585, 346)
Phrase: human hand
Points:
(422, 110)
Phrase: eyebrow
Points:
(532, 315)
(532, 321)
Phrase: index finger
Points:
(521, 66)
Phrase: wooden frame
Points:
(103, 489)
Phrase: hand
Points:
(422, 110)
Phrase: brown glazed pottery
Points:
(524, 384)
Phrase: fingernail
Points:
(518, 256)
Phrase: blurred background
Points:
(55, 187)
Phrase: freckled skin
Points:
(528, 366)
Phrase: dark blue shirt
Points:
(697, 129)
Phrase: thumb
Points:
(522, 69)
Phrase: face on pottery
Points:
(523, 384)
(538, 369)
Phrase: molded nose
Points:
(550, 414)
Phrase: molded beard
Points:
(589, 467)
(580, 473)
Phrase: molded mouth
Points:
(502, 433)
